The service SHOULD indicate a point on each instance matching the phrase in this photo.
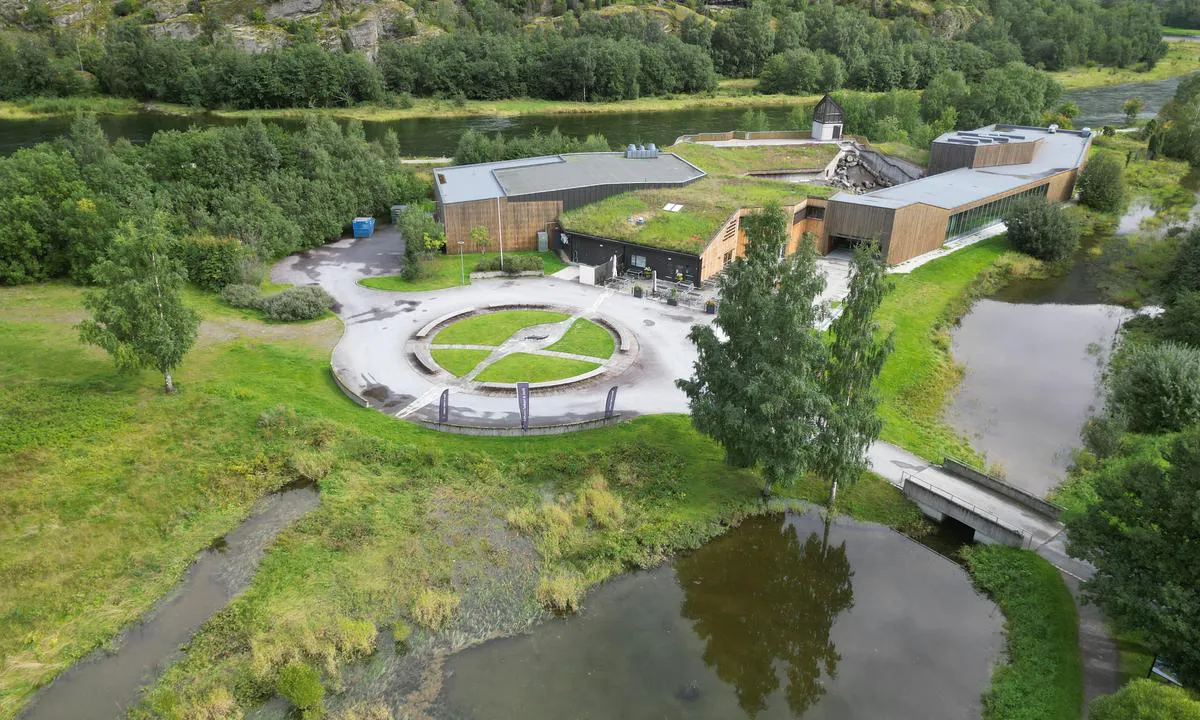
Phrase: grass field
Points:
(526, 367)
(920, 375)
(493, 328)
(1042, 678)
(458, 362)
(1180, 32)
(1182, 58)
(585, 337)
(447, 271)
(112, 488)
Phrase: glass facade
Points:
(968, 221)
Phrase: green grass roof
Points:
(707, 204)
(725, 161)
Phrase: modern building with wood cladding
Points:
(697, 257)
(974, 177)
(517, 200)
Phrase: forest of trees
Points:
(490, 54)
(269, 192)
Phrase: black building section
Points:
(593, 250)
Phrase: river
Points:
(434, 137)
(424, 137)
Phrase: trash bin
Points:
(364, 227)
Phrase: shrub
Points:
(301, 685)
(1181, 320)
(1156, 387)
(299, 303)
(1184, 273)
(562, 591)
(434, 608)
(1038, 228)
(213, 262)
(242, 296)
(512, 264)
(310, 465)
(1102, 184)
(598, 503)
(1146, 700)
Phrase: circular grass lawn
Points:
(478, 335)
(494, 328)
(528, 367)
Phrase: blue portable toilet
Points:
(364, 227)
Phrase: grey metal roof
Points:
(1060, 151)
(464, 183)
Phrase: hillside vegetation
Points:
(310, 53)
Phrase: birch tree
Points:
(756, 388)
(856, 355)
(137, 313)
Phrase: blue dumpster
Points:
(364, 227)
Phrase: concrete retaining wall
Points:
(1047, 510)
(484, 431)
(930, 500)
(358, 399)
(893, 170)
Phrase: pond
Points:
(1031, 378)
(1032, 356)
(106, 684)
(786, 616)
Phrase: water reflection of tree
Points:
(762, 601)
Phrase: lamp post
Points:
(461, 267)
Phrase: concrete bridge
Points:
(990, 509)
(940, 504)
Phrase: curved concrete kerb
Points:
(531, 339)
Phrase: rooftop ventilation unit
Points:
(1052, 129)
(641, 151)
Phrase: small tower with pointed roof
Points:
(828, 117)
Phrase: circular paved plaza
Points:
(399, 351)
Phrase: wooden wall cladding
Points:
(917, 229)
(522, 222)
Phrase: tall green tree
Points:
(856, 356)
(1102, 184)
(137, 314)
(1143, 536)
(757, 390)
(1041, 229)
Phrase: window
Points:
(814, 212)
(968, 221)
(728, 257)
(637, 261)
